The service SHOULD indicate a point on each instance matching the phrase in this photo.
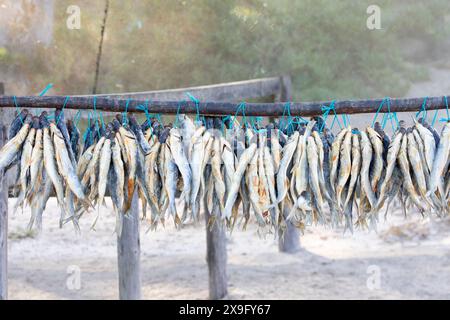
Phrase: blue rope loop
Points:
(423, 109)
(124, 114)
(386, 116)
(224, 119)
(289, 126)
(48, 87)
(242, 106)
(446, 109)
(42, 93)
(326, 111)
(175, 124)
(17, 109)
(390, 116)
(62, 109)
(88, 129)
(197, 106)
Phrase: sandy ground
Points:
(410, 257)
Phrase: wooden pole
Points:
(216, 257)
(3, 219)
(128, 255)
(215, 108)
(289, 241)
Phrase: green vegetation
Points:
(324, 45)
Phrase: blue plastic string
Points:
(423, 109)
(242, 106)
(62, 110)
(326, 111)
(175, 125)
(43, 92)
(197, 105)
(389, 116)
(48, 87)
(76, 118)
(289, 126)
(378, 112)
(17, 109)
(124, 114)
(446, 109)
(88, 129)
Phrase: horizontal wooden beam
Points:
(225, 108)
(230, 91)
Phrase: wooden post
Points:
(216, 257)
(289, 242)
(128, 255)
(3, 219)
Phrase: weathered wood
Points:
(3, 220)
(216, 257)
(289, 241)
(128, 255)
(215, 108)
(285, 90)
(231, 91)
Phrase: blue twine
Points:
(62, 110)
(378, 112)
(242, 106)
(446, 109)
(389, 116)
(175, 125)
(423, 109)
(43, 92)
(289, 126)
(17, 109)
(48, 87)
(197, 105)
(88, 129)
(326, 111)
(124, 114)
(76, 118)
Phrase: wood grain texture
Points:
(217, 108)
(128, 255)
(216, 257)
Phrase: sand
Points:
(411, 257)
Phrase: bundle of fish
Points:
(46, 156)
(304, 174)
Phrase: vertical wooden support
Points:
(290, 241)
(128, 255)
(216, 257)
(3, 219)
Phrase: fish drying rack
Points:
(212, 100)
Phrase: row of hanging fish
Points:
(227, 171)
(45, 153)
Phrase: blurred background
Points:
(329, 52)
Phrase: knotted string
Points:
(43, 92)
(389, 116)
(197, 105)
(242, 106)
(175, 125)
(17, 109)
(326, 111)
(423, 109)
(62, 109)
(289, 126)
(124, 114)
(88, 130)
(446, 109)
